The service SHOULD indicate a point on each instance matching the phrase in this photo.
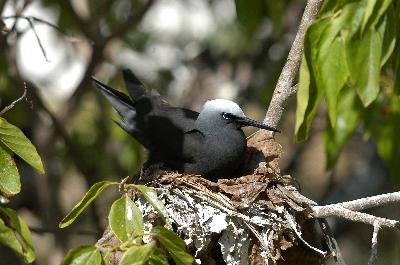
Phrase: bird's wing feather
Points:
(166, 128)
(121, 102)
(158, 126)
(135, 87)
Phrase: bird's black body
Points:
(207, 143)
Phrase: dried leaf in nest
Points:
(243, 190)
(262, 147)
(255, 257)
(180, 179)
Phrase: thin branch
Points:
(293, 225)
(331, 242)
(13, 103)
(38, 39)
(349, 209)
(374, 249)
(339, 211)
(84, 25)
(283, 89)
(47, 23)
(132, 20)
(30, 20)
(370, 202)
(35, 19)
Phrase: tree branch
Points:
(283, 89)
(42, 21)
(131, 21)
(374, 249)
(348, 210)
(7, 108)
(339, 211)
(370, 202)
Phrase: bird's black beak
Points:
(244, 121)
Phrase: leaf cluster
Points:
(127, 224)
(351, 59)
(14, 233)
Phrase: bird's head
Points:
(222, 112)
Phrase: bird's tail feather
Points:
(135, 87)
(121, 103)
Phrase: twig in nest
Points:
(374, 249)
(331, 242)
(289, 218)
(14, 102)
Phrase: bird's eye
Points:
(227, 116)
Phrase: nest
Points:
(252, 219)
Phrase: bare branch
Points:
(292, 224)
(335, 210)
(374, 249)
(133, 19)
(283, 89)
(30, 20)
(13, 103)
(47, 23)
(331, 242)
(35, 19)
(348, 209)
(38, 39)
(370, 202)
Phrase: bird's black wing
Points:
(125, 108)
(166, 128)
(135, 87)
(153, 122)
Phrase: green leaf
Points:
(9, 177)
(364, 59)
(347, 119)
(389, 27)
(125, 219)
(25, 237)
(9, 239)
(12, 137)
(369, 9)
(158, 258)
(83, 255)
(93, 192)
(151, 196)
(250, 14)
(332, 74)
(308, 95)
(386, 132)
(174, 245)
(374, 11)
(328, 58)
(138, 255)
(105, 256)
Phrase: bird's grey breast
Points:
(222, 151)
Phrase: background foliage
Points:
(191, 51)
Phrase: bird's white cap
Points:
(223, 105)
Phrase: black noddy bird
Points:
(210, 143)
